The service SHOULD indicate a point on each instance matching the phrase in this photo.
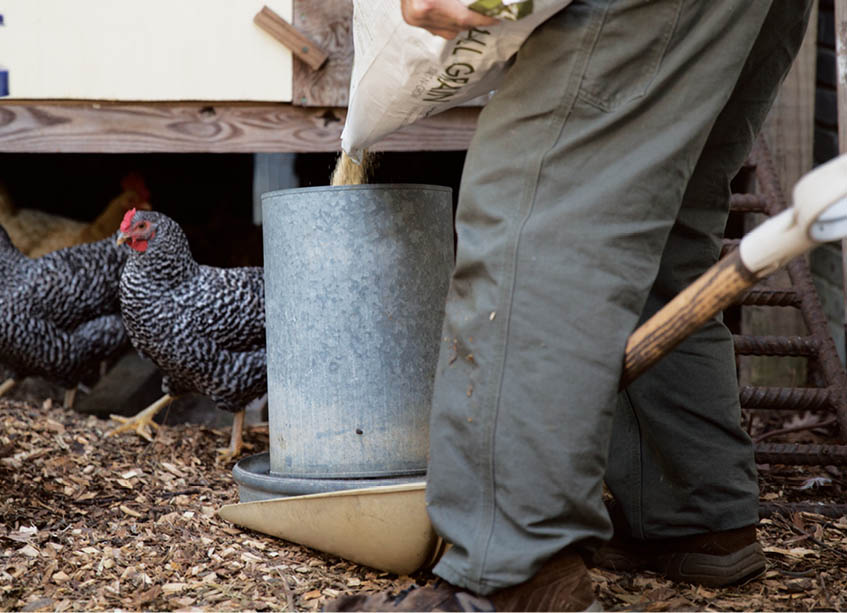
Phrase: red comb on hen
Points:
(127, 222)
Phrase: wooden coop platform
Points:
(179, 116)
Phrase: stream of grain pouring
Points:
(348, 172)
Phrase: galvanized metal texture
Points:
(356, 277)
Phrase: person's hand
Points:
(445, 18)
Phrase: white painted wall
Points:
(143, 50)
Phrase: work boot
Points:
(562, 584)
(712, 559)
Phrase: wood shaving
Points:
(118, 523)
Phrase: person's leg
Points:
(680, 462)
(569, 192)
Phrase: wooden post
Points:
(841, 64)
(789, 132)
(789, 128)
(841, 82)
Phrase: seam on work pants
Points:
(633, 451)
(610, 94)
(507, 267)
(558, 121)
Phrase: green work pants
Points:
(595, 188)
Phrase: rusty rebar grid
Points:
(801, 454)
(748, 203)
(771, 297)
(802, 346)
(818, 347)
(787, 398)
(801, 279)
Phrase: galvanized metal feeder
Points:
(355, 279)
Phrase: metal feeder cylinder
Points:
(355, 280)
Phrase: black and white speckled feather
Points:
(59, 313)
(204, 327)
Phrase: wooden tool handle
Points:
(289, 36)
(695, 305)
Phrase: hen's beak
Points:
(122, 239)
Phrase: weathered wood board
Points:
(85, 127)
(329, 24)
(151, 50)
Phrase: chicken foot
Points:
(236, 441)
(143, 421)
(7, 385)
(70, 396)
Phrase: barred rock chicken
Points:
(37, 232)
(60, 313)
(204, 327)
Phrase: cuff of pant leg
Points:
(451, 575)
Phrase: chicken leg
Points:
(236, 441)
(70, 395)
(143, 421)
(6, 386)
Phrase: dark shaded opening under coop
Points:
(212, 197)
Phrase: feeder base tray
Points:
(256, 482)
(380, 523)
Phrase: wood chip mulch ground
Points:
(93, 523)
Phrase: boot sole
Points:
(714, 570)
(690, 567)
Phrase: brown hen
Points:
(36, 232)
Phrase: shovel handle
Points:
(712, 292)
